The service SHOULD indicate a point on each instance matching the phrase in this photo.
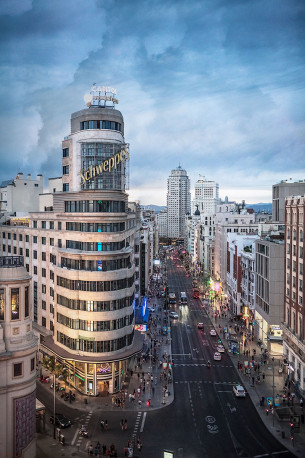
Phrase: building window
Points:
(18, 370)
(27, 252)
(20, 237)
(20, 252)
(43, 272)
(51, 224)
(65, 170)
(43, 289)
(51, 275)
(32, 364)
(43, 224)
(43, 256)
(65, 187)
(14, 236)
(3, 235)
(35, 224)
(52, 242)
(2, 304)
(15, 303)
(44, 240)
(9, 236)
(43, 322)
(26, 301)
(65, 152)
(35, 270)
(59, 226)
(43, 305)
(51, 292)
(34, 238)
(15, 250)
(27, 238)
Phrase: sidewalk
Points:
(271, 383)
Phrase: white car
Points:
(212, 332)
(217, 356)
(173, 315)
(220, 348)
(239, 391)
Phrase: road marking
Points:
(75, 436)
(143, 421)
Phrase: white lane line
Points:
(143, 421)
(74, 437)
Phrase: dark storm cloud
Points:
(216, 85)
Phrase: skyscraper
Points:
(206, 196)
(178, 202)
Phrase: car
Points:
(150, 309)
(239, 391)
(200, 326)
(212, 332)
(220, 348)
(217, 356)
(61, 421)
(173, 315)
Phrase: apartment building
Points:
(294, 316)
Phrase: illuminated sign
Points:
(105, 166)
(103, 368)
(100, 93)
(141, 327)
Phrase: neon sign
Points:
(100, 93)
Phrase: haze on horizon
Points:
(215, 85)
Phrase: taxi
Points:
(217, 356)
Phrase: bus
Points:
(183, 298)
(172, 298)
(196, 293)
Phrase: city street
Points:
(201, 416)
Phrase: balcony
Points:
(292, 338)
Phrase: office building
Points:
(206, 196)
(178, 202)
(279, 193)
(294, 315)
(80, 253)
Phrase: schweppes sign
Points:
(105, 166)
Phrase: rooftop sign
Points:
(100, 95)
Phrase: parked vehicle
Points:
(60, 420)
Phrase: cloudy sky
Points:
(215, 85)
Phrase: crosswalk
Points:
(199, 365)
(83, 420)
(205, 381)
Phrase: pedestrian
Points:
(125, 424)
(90, 449)
(122, 424)
(263, 375)
(106, 425)
(102, 425)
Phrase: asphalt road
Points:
(206, 419)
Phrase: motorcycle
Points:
(208, 364)
(83, 432)
(44, 379)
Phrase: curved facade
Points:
(93, 265)
(18, 348)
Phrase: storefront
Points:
(94, 377)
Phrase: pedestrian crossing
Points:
(84, 419)
(205, 381)
(199, 365)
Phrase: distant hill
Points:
(266, 207)
(156, 208)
